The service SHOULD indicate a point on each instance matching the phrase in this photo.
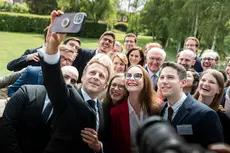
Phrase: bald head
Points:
(70, 75)
(186, 58)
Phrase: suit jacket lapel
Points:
(164, 106)
(183, 111)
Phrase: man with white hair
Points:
(186, 58)
(155, 58)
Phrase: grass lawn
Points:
(13, 45)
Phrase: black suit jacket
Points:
(22, 129)
(197, 65)
(205, 122)
(20, 63)
(84, 55)
(72, 114)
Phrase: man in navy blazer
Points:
(195, 121)
(105, 44)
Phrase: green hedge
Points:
(17, 22)
(121, 26)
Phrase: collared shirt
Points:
(175, 107)
(152, 75)
(134, 122)
(47, 101)
(227, 103)
(86, 98)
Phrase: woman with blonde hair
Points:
(120, 62)
(140, 104)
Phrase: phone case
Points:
(69, 23)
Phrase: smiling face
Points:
(134, 81)
(117, 89)
(119, 65)
(105, 44)
(134, 57)
(94, 80)
(169, 83)
(208, 86)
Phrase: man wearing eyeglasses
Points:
(192, 43)
(209, 59)
(33, 74)
(26, 121)
(155, 58)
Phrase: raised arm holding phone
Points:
(78, 124)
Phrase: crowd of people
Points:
(64, 98)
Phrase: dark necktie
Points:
(92, 104)
(170, 113)
(46, 112)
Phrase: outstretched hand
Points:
(53, 40)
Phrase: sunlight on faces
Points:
(105, 44)
(117, 47)
(117, 89)
(154, 60)
(94, 80)
(169, 82)
(134, 57)
(134, 81)
(119, 65)
(208, 86)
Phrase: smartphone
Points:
(69, 22)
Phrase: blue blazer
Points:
(206, 126)
(32, 75)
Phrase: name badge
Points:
(184, 129)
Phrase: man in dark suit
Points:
(25, 125)
(79, 124)
(33, 74)
(196, 122)
(192, 43)
(105, 44)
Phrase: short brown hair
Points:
(193, 38)
(131, 35)
(72, 38)
(181, 71)
(109, 33)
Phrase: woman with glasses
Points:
(210, 91)
(127, 116)
(136, 56)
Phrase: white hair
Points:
(187, 51)
(156, 50)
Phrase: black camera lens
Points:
(78, 19)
